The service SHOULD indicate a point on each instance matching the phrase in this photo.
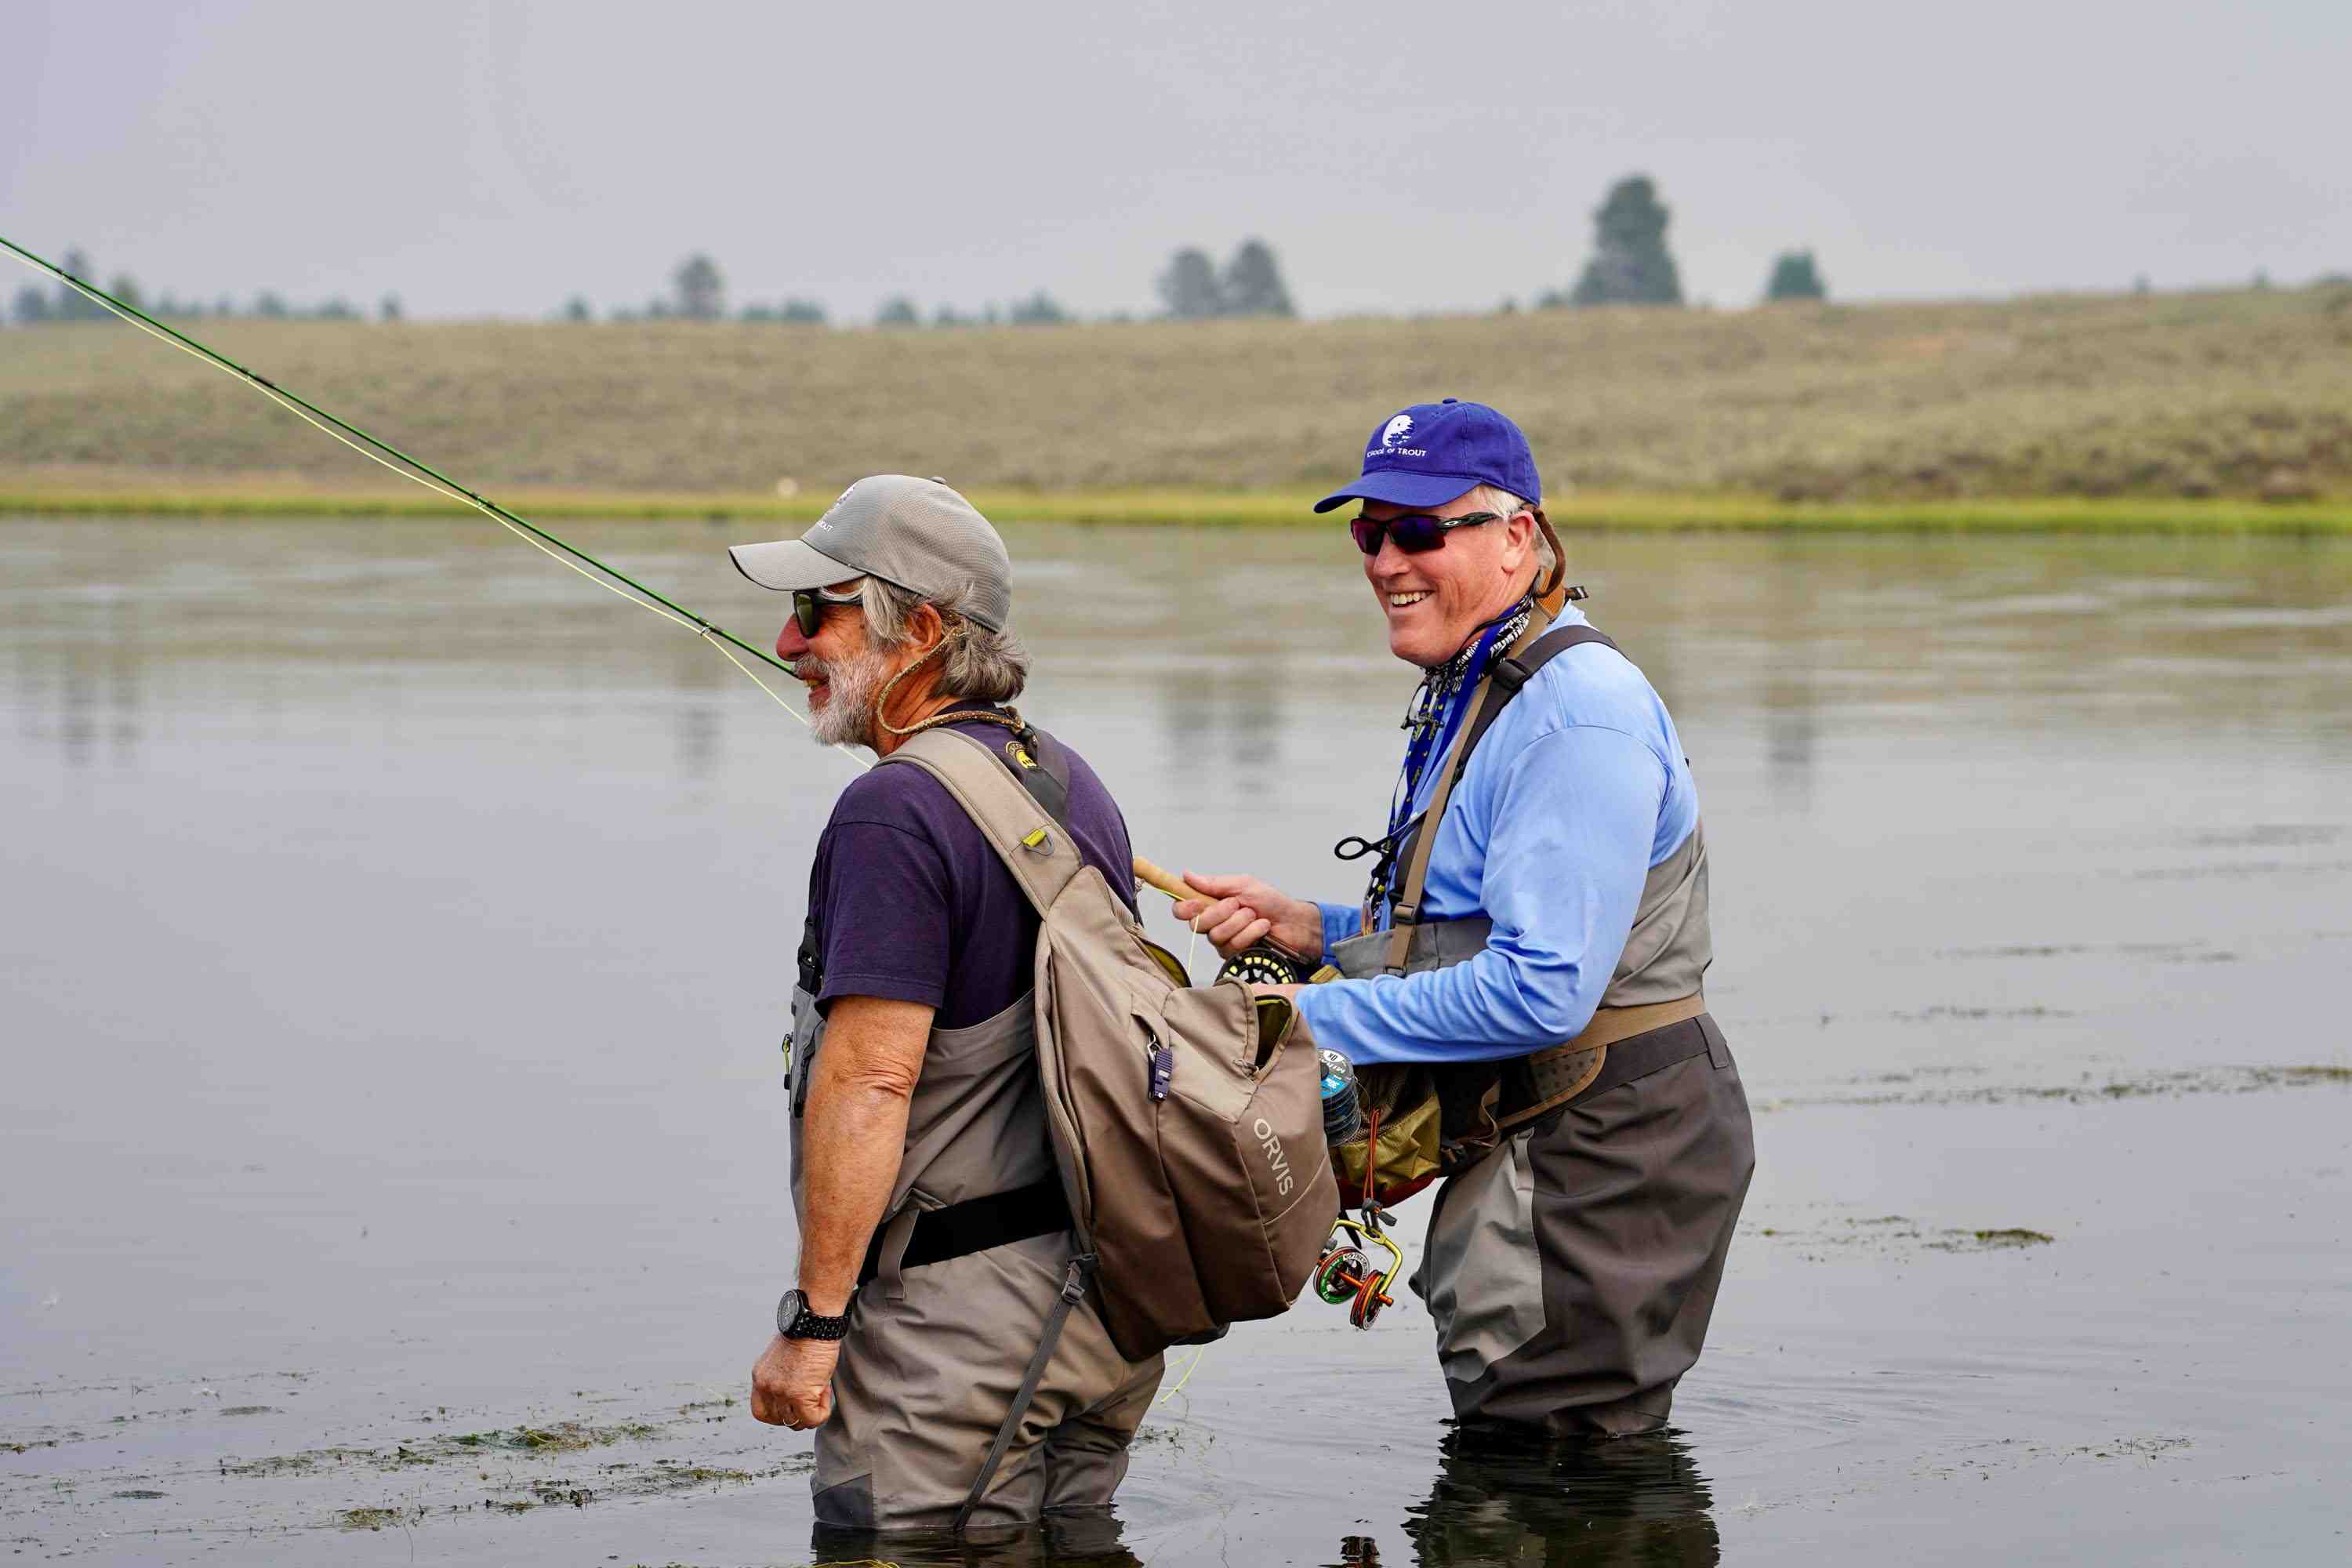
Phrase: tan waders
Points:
(943, 1325)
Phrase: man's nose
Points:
(789, 644)
(1388, 561)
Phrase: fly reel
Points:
(1265, 964)
(1346, 1277)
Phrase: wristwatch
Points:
(795, 1321)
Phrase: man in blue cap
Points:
(1532, 944)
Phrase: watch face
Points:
(787, 1309)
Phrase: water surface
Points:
(397, 934)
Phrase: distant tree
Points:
(1190, 288)
(945, 316)
(125, 288)
(801, 312)
(1795, 276)
(898, 310)
(32, 307)
(1630, 264)
(1040, 310)
(270, 305)
(657, 310)
(224, 308)
(701, 292)
(1252, 284)
(72, 304)
(2139, 284)
(336, 311)
(388, 308)
(1509, 307)
(576, 308)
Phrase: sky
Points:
(490, 158)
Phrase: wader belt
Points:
(976, 1225)
(1619, 1045)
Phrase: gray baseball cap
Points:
(915, 533)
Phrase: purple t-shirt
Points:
(911, 904)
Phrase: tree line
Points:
(1630, 264)
(35, 306)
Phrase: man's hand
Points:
(1241, 911)
(792, 1383)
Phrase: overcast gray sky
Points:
(490, 158)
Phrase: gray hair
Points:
(1494, 499)
(981, 665)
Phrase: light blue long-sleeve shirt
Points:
(1578, 788)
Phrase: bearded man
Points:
(1533, 939)
(935, 1237)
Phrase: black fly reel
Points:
(1265, 964)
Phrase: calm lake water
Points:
(396, 937)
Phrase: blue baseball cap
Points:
(1432, 452)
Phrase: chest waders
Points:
(1574, 1252)
(1153, 1132)
(1652, 1013)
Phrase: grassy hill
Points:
(2157, 397)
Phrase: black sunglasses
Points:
(1415, 532)
(808, 606)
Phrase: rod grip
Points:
(1167, 881)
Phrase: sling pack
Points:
(1433, 1120)
(1188, 1139)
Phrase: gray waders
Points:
(1573, 1254)
(974, 1387)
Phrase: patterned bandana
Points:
(1430, 721)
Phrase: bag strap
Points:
(1074, 1290)
(1041, 853)
(1505, 678)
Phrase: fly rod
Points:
(385, 455)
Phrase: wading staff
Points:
(386, 455)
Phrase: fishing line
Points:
(387, 455)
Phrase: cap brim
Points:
(788, 565)
(1401, 489)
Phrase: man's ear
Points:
(1519, 539)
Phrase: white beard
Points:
(847, 717)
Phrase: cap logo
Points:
(1397, 429)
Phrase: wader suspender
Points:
(1537, 646)
(1047, 780)
(1550, 1078)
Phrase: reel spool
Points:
(1346, 1275)
(1265, 964)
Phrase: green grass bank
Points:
(1581, 512)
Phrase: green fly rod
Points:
(399, 462)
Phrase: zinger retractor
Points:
(1346, 1275)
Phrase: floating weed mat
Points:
(1892, 1234)
(2085, 1091)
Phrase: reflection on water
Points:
(1505, 1495)
(403, 929)
(1093, 1536)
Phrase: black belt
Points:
(1645, 1053)
(976, 1225)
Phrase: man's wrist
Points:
(797, 1319)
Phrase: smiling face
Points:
(839, 669)
(1435, 600)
